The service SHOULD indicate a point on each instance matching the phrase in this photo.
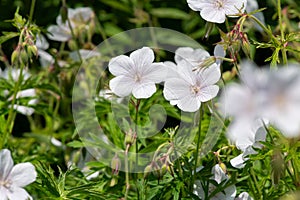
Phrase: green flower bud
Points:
(14, 56)
(147, 170)
(115, 165)
(223, 167)
(64, 13)
(24, 56)
(130, 138)
(32, 50)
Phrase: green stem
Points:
(283, 50)
(127, 172)
(257, 187)
(31, 10)
(73, 36)
(198, 147)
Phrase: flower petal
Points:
(238, 162)
(3, 193)
(142, 58)
(156, 72)
(6, 164)
(121, 85)
(18, 194)
(213, 15)
(121, 65)
(22, 174)
(210, 75)
(189, 104)
(58, 34)
(144, 90)
(209, 92)
(175, 89)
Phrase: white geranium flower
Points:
(216, 10)
(136, 74)
(219, 176)
(14, 75)
(14, 178)
(188, 88)
(80, 18)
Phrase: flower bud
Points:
(24, 56)
(32, 50)
(113, 182)
(64, 13)
(15, 55)
(147, 170)
(130, 138)
(115, 165)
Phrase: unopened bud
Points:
(24, 56)
(15, 55)
(206, 63)
(113, 182)
(115, 165)
(130, 138)
(64, 13)
(147, 170)
(32, 50)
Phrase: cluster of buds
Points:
(130, 138)
(26, 48)
(234, 41)
(160, 167)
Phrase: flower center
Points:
(195, 89)
(219, 3)
(5, 184)
(137, 77)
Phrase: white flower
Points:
(136, 74)
(216, 10)
(244, 196)
(79, 18)
(14, 178)
(273, 95)
(247, 148)
(219, 176)
(84, 53)
(14, 75)
(188, 88)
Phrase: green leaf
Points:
(7, 36)
(75, 144)
(171, 13)
(118, 5)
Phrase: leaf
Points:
(7, 36)
(118, 5)
(75, 144)
(171, 13)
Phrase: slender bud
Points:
(147, 170)
(64, 13)
(15, 55)
(115, 165)
(130, 137)
(223, 167)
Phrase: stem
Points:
(73, 36)
(256, 183)
(31, 10)
(198, 147)
(127, 171)
(136, 130)
(283, 50)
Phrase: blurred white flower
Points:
(259, 136)
(109, 95)
(252, 5)
(79, 18)
(27, 93)
(187, 88)
(272, 95)
(14, 178)
(136, 74)
(244, 196)
(45, 58)
(84, 53)
(218, 176)
(216, 10)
